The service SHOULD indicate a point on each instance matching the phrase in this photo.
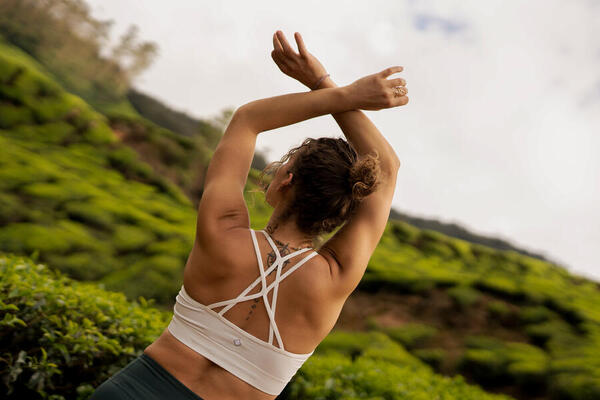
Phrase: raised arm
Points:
(350, 249)
(352, 246)
(222, 207)
(372, 92)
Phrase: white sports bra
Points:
(259, 363)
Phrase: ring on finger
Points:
(399, 91)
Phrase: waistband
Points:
(144, 378)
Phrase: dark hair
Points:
(330, 180)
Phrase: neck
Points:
(287, 233)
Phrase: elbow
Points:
(241, 112)
(243, 115)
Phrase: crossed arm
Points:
(223, 208)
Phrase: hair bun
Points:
(364, 176)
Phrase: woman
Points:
(222, 343)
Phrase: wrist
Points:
(327, 83)
(318, 83)
(345, 92)
(346, 96)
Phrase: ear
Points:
(287, 182)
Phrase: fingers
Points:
(397, 82)
(301, 45)
(400, 91)
(391, 70)
(276, 44)
(402, 101)
(281, 61)
(287, 49)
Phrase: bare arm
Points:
(362, 133)
(357, 127)
(372, 92)
(349, 250)
(287, 109)
(363, 232)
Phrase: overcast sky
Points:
(501, 134)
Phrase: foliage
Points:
(411, 334)
(463, 296)
(60, 338)
(494, 362)
(356, 366)
(559, 312)
(72, 192)
(72, 44)
(175, 121)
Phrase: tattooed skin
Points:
(284, 249)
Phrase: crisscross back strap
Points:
(278, 264)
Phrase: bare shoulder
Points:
(226, 253)
(233, 250)
(328, 259)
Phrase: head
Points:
(319, 184)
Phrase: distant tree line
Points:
(75, 46)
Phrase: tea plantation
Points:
(95, 217)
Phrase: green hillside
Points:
(75, 195)
(504, 320)
(72, 191)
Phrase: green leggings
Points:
(143, 378)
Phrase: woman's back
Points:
(306, 307)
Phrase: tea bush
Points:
(411, 334)
(60, 338)
(381, 369)
(494, 362)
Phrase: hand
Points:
(375, 92)
(304, 67)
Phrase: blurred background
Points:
(485, 283)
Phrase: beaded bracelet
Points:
(320, 80)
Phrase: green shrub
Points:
(498, 309)
(130, 237)
(540, 333)
(432, 356)
(580, 387)
(534, 314)
(383, 370)
(90, 214)
(59, 338)
(11, 116)
(11, 209)
(411, 335)
(464, 296)
(493, 362)
(486, 366)
(403, 232)
(158, 277)
(28, 237)
(498, 284)
(51, 132)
